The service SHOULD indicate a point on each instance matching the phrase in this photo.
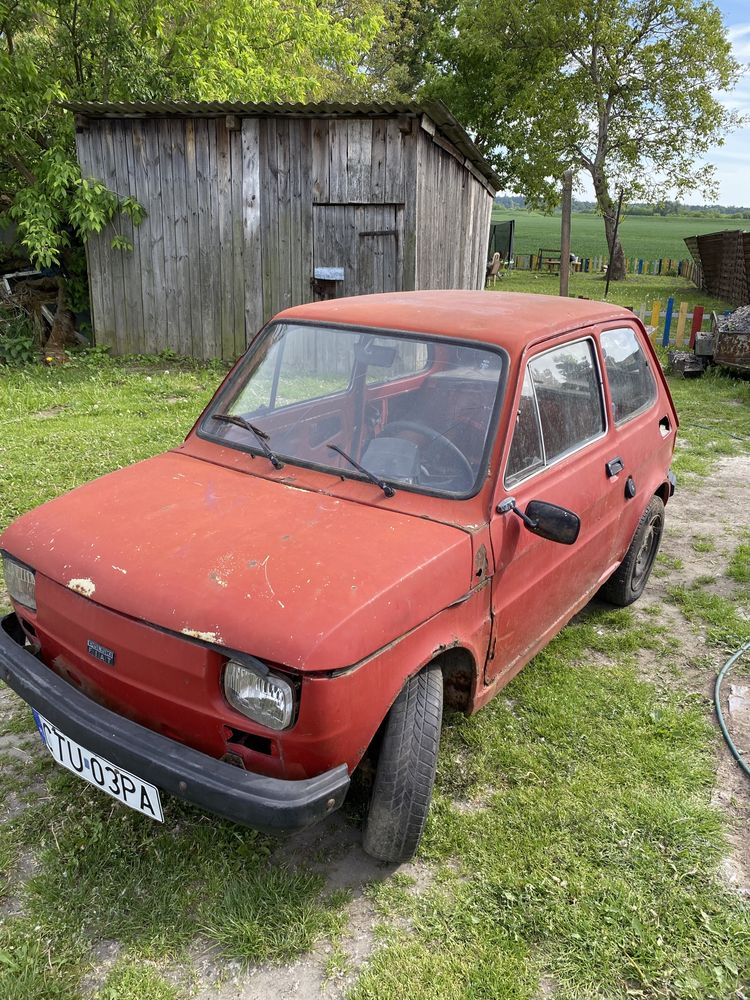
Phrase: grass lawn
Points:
(572, 838)
(648, 237)
(633, 292)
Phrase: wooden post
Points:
(681, 318)
(667, 323)
(696, 325)
(567, 203)
(655, 313)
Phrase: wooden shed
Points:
(253, 208)
(724, 261)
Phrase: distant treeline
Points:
(518, 203)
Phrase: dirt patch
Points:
(700, 537)
(333, 850)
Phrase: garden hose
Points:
(720, 715)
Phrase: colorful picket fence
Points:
(597, 265)
(668, 330)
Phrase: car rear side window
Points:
(560, 409)
(526, 452)
(631, 382)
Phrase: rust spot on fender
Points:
(204, 636)
(480, 562)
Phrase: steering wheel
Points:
(463, 466)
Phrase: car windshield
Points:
(407, 411)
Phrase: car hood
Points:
(292, 576)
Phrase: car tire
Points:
(629, 580)
(406, 767)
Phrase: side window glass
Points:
(631, 382)
(568, 397)
(526, 453)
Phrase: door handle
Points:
(614, 467)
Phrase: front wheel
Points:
(628, 581)
(406, 769)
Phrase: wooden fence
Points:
(673, 327)
(665, 266)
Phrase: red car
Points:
(392, 501)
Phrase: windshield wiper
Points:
(384, 486)
(260, 436)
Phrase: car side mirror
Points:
(546, 519)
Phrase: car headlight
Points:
(20, 581)
(260, 695)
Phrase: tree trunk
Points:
(609, 213)
(63, 328)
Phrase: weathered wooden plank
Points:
(132, 259)
(251, 223)
(270, 217)
(184, 339)
(398, 284)
(192, 207)
(151, 132)
(284, 213)
(225, 266)
(215, 256)
(339, 151)
(114, 258)
(238, 253)
(394, 178)
(468, 264)
(407, 155)
(294, 195)
(204, 249)
(485, 201)
(321, 159)
(171, 279)
(364, 248)
(306, 141)
(93, 243)
(378, 160)
(358, 160)
(144, 237)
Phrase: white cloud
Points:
(739, 36)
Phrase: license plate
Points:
(121, 785)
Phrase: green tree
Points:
(56, 50)
(624, 91)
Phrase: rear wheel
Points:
(627, 583)
(406, 768)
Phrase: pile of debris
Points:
(739, 320)
(40, 298)
(728, 344)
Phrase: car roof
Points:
(509, 319)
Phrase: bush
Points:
(18, 340)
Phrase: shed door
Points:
(357, 249)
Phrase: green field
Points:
(649, 237)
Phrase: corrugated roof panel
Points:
(446, 124)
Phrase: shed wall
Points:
(239, 217)
(453, 215)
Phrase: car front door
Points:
(558, 453)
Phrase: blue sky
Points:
(732, 160)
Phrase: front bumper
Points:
(268, 804)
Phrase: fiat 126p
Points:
(392, 502)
